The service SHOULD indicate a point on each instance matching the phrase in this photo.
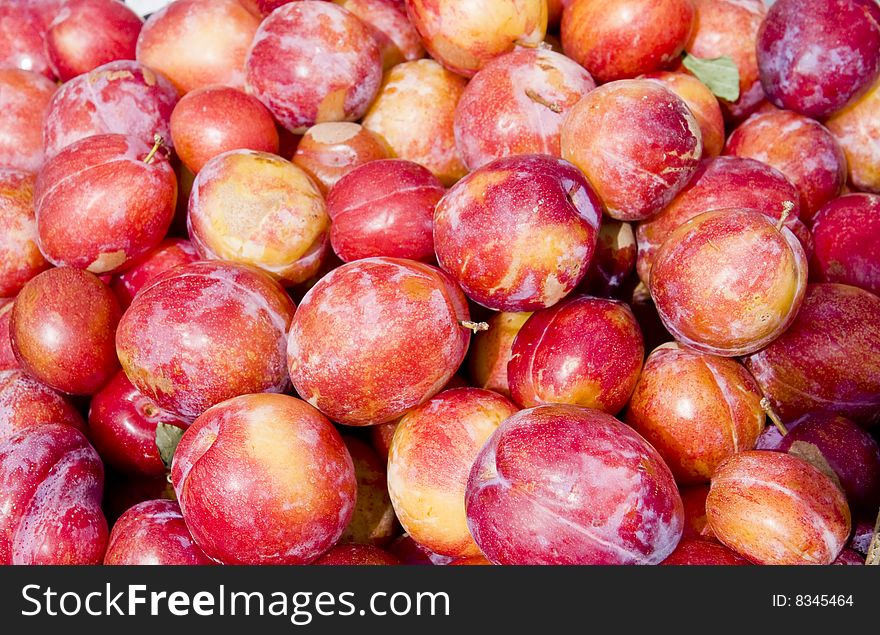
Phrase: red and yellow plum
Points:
(626, 38)
(63, 324)
(398, 338)
(180, 340)
(696, 410)
(729, 282)
(719, 183)
(24, 100)
(519, 233)
(431, 456)
(312, 62)
(168, 254)
(122, 97)
(25, 402)
(116, 192)
(516, 105)
(384, 208)
(774, 508)
(464, 38)
(20, 258)
(86, 34)
(638, 144)
(799, 147)
(196, 43)
(258, 209)
(328, 151)
(491, 351)
(414, 115)
(264, 479)
(571, 485)
(584, 351)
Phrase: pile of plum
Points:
(440, 282)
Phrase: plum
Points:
(829, 359)
(153, 533)
(696, 410)
(264, 479)
(703, 105)
(122, 427)
(857, 128)
(329, 71)
(196, 43)
(429, 461)
(20, 258)
(396, 35)
(400, 333)
(570, 485)
(7, 355)
(215, 119)
(51, 482)
(516, 105)
(518, 234)
(86, 34)
(814, 56)
(584, 351)
(257, 209)
(696, 523)
(491, 351)
(22, 38)
(384, 208)
(24, 99)
(775, 508)
(103, 202)
(691, 552)
(841, 449)
(166, 255)
(63, 326)
(414, 115)
(729, 282)
(465, 37)
(25, 402)
(614, 260)
(122, 97)
(799, 147)
(637, 142)
(719, 183)
(328, 151)
(180, 341)
(626, 38)
(846, 237)
(729, 28)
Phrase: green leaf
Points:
(720, 74)
(167, 438)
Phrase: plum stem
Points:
(535, 97)
(158, 142)
(476, 327)
(527, 45)
(874, 549)
(787, 208)
(767, 408)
